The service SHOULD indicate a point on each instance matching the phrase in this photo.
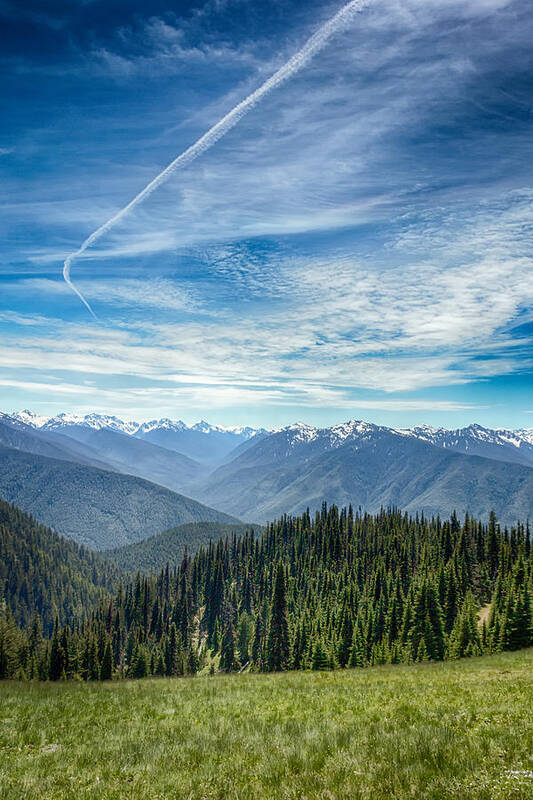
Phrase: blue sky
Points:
(359, 245)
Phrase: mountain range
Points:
(371, 466)
(250, 474)
(203, 442)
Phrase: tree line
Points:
(334, 590)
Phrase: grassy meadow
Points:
(448, 730)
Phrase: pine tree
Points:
(140, 664)
(340, 589)
(320, 660)
(278, 648)
(257, 645)
(465, 639)
(106, 669)
(357, 655)
(93, 666)
(56, 669)
(172, 652)
(9, 661)
(244, 632)
(228, 661)
(521, 628)
(346, 636)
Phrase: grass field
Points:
(454, 730)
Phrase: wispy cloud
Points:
(348, 323)
(158, 293)
(363, 240)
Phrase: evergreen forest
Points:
(338, 589)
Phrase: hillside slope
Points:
(96, 508)
(42, 572)
(368, 466)
(455, 731)
(138, 457)
(169, 547)
(19, 436)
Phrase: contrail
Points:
(290, 68)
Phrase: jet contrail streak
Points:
(290, 68)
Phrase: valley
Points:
(203, 472)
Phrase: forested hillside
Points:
(43, 574)
(153, 554)
(94, 507)
(339, 589)
(370, 466)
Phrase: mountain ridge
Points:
(513, 439)
(366, 465)
(95, 507)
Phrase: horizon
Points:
(357, 245)
(190, 422)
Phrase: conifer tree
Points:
(9, 662)
(278, 656)
(228, 661)
(320, 660)
(465, 639)
(346, 636)
(56, 669)
(257, 645)
(244, 632)
(368, 589)
(106, 669)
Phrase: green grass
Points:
(455, 730)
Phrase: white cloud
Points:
(342, 324)
(155, 293)
(428, 299)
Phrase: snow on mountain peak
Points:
(351, 429)
(160, 424)
(30, 418)
(300, 432)
(131, 427)
(465, 439)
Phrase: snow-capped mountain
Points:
(300, 466)
(201, 427)
(500, 444)
(65, 420)
(210, 443)
(160, 424)
(258, 474)
(29, 418)
(300, 435)
(100, 421)
(206, 443)
(201, 441)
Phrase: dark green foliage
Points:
(58, 656)
(244, 632)
(43, 573)
(106, 670)
(10, 644)
(228, 661)
(96, 508)
(339, 590)
(465, 639)
(278, 649)
(320, 658)
(154, 553)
